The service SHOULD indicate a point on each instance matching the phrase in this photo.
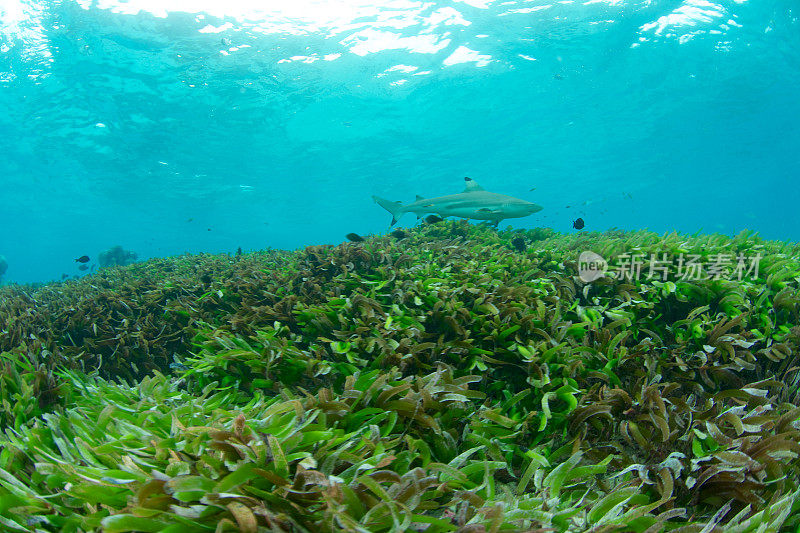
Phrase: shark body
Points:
(474, 203)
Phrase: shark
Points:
(473, 203)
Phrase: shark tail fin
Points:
(395, 208)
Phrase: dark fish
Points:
(239, 252)
(533, 188)
(82, 259)
(83, 267)
(399, 234)
(519, 244)
(209, 229)
(578, 224)
(354, 237)
(189, 219)
(432, 219)
(64, 276)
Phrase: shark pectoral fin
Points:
(471, 185)
(488, 210)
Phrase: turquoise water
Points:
(167, 131)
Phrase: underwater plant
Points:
(116, 256)
(451, 380)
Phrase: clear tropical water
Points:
(173, 126)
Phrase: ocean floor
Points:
(449, 377)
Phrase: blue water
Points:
(168, 131)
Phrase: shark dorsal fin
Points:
(471, 185)
(420, 197)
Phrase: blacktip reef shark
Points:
(474, 203)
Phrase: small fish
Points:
(532, 188)
(189, 219)
(558, 76)
(432, 219)
(519, 244)
(399, 234)
(64, 276)
(578, 224)
(239, 252)
(83, 267)
(354, 237)
(178, 366)
(209, 229)
(568, 207)
(82, 259)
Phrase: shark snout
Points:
(524, 208)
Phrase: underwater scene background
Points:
(167, 127)
(619, 355)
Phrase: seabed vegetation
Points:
(445, 381)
